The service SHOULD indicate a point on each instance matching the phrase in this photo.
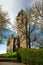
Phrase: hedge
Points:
(26, 55)
(31, 56)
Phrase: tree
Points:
(35, 19)
(4, 20)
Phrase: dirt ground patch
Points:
(10, 63)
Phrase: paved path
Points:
(10, 63)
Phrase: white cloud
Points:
(14, 6)
(1, 51)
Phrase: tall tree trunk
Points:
(26, 32)
(14, 46)
(29, 36)
(18, 42)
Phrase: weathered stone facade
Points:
(21, 27)
(11, 44)
(20, 41)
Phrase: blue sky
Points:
(13, 7)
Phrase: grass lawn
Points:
(12, 56)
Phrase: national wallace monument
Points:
(21, 41)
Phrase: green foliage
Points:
(9, 55)
(4, 21)
(31, 56)
(0, 41)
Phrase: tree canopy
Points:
(35, 23)
(4, 20)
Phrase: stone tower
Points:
(21, 39)
(22, 28)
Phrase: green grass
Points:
(9, 55)
(12, 56)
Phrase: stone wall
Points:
(10, 44)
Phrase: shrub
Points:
(31, 56)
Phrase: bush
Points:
(31, 56)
